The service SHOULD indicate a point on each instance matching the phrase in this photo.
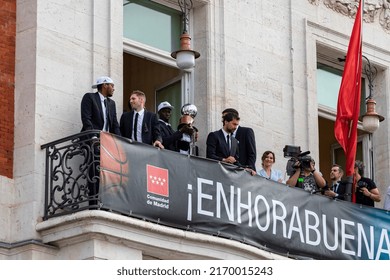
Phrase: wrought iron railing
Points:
(72, 174)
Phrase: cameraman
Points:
(306, 176)
(366, 190)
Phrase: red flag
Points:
(348, 105)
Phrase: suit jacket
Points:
(218, 149)
(150, 127)
(341, 190)
(169, 136)
(247, 146)
(92, 113)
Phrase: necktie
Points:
(335, 187)
(135, 126)
(106, 127)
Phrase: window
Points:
(151, 32)
(329, 74)
(328, 86)
(171, 93)
(152, 24)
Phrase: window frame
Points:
(330, 114)
(163, 57)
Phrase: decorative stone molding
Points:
(373, 9)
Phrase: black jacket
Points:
(218, 149)
(92, 113)
(150, 127)
(246, 146)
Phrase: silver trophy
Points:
(191, 110)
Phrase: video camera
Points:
(295, 154)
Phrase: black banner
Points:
(210, 197)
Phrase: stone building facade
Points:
(260, 57)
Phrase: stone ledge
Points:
(153, 240)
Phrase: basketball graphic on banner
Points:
(113, 163)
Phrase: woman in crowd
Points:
(267, 160)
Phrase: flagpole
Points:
(348, 104)
(348, 189)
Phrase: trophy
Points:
(191, 110)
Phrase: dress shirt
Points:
(104, 109)
(139, 125)
(235, 131)
(335, 187)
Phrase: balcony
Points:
(79, 224)
(132, 201)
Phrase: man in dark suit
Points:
(140, 125)
(246, 143)
(220, 144)
(338, 189)
(170, 137)
(98, 110)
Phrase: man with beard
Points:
(140, 125)
(98, 110)
(338, 186)
(220, 144)
(246, 143)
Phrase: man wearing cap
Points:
(170, 137)
(140, 125)
(98, 110)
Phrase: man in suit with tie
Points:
(338, 186)
(98, 110)
(169, 136)
(220, 144)
(246, 143)
(140, 125)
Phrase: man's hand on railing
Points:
(158, 144)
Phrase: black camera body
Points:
(361, 184)
(295, 154)
(304, 161)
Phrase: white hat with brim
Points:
(103, 80)
(163, 105)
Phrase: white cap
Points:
(103, 80)
(164, 104)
